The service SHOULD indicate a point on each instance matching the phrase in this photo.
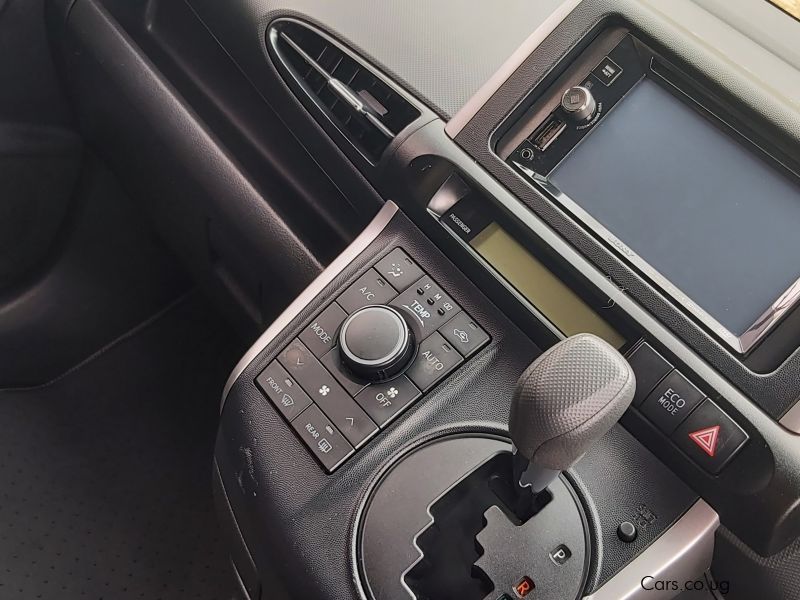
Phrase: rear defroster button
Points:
(322, 438)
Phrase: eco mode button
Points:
(671, 401)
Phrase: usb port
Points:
(548, 133)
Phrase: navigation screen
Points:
(707, 213)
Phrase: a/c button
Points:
(671, 402)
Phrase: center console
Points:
(374, 454)
(562, 361)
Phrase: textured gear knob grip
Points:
(568, 399)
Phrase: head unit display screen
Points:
(716, 223)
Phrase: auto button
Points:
(435, 359)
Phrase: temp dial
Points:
(375, 343)
(578, 103)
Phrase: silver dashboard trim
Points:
(315, 288)
(476, 102)
(791, 420)
(683, 553)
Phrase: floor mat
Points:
(106, 473)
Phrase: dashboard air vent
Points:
(367, 110)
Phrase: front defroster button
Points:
(671, 401)
(283, 390)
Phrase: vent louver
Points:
(368, 111)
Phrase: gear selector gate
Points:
(493, 518)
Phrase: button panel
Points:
(700, 428)
(326, 392)
(334, 412)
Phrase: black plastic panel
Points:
(271, 479)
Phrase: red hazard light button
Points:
(707, 439)
(710, 437)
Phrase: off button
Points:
(671, 402)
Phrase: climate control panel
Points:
(386, 340)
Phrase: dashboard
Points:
(490, 182)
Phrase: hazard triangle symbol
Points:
(706, 439)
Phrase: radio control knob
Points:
(376, 343)
(578, 103)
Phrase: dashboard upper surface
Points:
(441, 51)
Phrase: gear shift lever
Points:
(564, 402)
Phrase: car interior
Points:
(392, 300)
